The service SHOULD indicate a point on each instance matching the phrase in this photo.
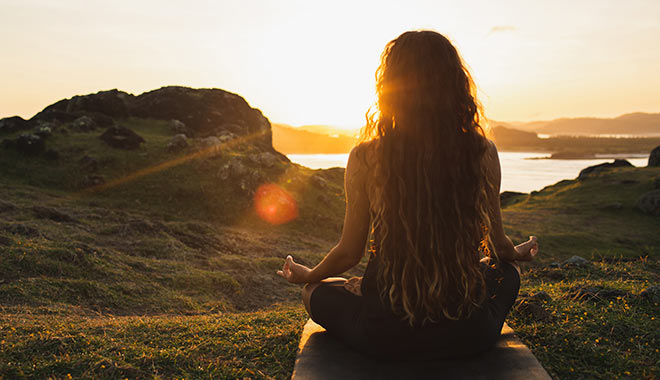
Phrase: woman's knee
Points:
(309, 288)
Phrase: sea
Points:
(521, 171)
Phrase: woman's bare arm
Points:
(351, 247)
(501, 242)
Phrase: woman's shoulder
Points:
(363, 153)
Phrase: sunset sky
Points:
(312, 62)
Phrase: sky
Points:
(312, 62)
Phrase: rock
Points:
(179, 128)
(84, 124)
(595, 293)
(554, 265)
(224, 172)
(89, 163)
(649, 203)
(14, 124)
(205, 112)
(509, 197)
(591, 170)
(112, 103)
(236, 168)
(652, 293)
(177, 143)
(654, 158)
(44, 130)
(264, 159)
(121, 138)
(656, 183)
(30, 144)
(52, 214)
(210, 146)
(575, 261)
(226, 136)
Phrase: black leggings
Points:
(349, 318)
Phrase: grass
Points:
(607, 337)
(172, 275)
(47, 344)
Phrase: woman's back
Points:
(425, 182)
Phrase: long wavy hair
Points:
(429, 188)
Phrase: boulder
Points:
(649, 203)
(236, 168)
(44, 129)
(14, 124)
(264, 159)
(30, 144)
(121, 138)
(179, 128)
(210, 146)
(112, 103)
(652, 293)
(205, 112)
(84, 124)
(654, 158)
(595, 169)
(177, 143)
(575, 261)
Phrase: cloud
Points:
(502, 28)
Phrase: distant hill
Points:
(638, 123)
(292, 140)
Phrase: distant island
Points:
(563, 138)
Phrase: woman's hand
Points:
(294, 272)
(527, 250)
(353, 285)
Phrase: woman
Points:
(442, 273)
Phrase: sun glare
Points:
(275, 205)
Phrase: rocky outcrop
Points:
(177, 143)
(121, 138)
(30, 144)
(592, 170)
(13, 124)
(112, 103)
(649, 203)
(654, 158)
(193, 112)
(205, 112)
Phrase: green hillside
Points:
(153, 262)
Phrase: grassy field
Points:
(170, 274)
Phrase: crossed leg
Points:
(308, 289)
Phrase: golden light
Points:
(275, 205)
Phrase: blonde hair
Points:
(429, 189)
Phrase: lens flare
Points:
(274, 204)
